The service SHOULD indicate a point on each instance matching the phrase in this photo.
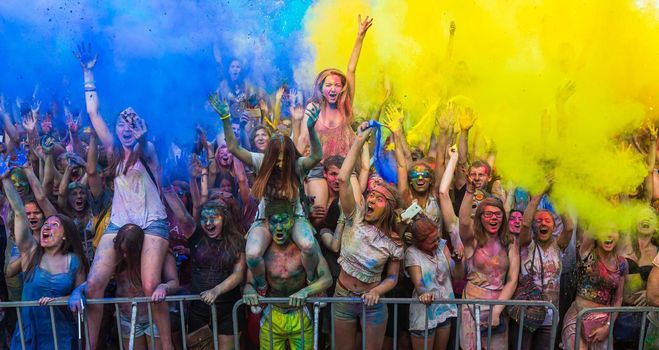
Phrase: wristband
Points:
(226, 116)
(90, 82)
(90, 89)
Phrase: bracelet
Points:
(90, 82)
(226, 116)
(90, 89)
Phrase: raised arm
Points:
(466, 221)
(87, 61)
(466, 120)
(312, 112)
(332, 240)
(396, 117)
(563, 239)
(183, 218)
(346, 192)
(222, 109)
(440, 159)
(94, 179)
(445, 204)
(39, 193)
(356, 50)
(24, 240)
(525, 234)
(243, 184)
(64, 187)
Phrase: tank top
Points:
(136, 198)
(488, 271)
(336, 140)
(595, 282)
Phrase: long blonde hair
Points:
(344, 102)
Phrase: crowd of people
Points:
(284, 201)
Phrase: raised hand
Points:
(292, 97)
(5, 168)
(194, 167)
(203, 159)
(138, 127)
(467, 118)
(652, 128)
(394, 117)
(312, 112)
(363, 26)
(71, 123)
(29, 122)
(21, 157)
(35, 106)
(220, 106)
(75, 160)
(280, 93)
(86, 57)
(452, 152)
(3, 108)
(446, 117)
(451, 28)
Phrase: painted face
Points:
(285, 127)
(420, 178)
(332, 177)
(479, 176)
(332, 86)
(124, 133)
(646, 223)
(34, 216)
(281, 226)
(226, 158)
(515, 222)
(225, 186)
(544, 223)
(376, 203)
(236, 130)
(610, 241)
(77, 199)
(430, 243)
(52, 233)
(234, 70)
(261, 140)
(211, 222)
(19, 180)
(491, 218)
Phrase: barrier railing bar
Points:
(121, 336)
(236, 333)
(133, 321)
(609, 343)
(458, 324)
(520, 331)
(20, 327)
(86, 325)
(641, 336)
(54, 326)
(425, 331)
(301, 313)
(316, 315)
(214, 321)
(270, 327)
(333, 340)
(395, 326)
(477, 322)
(184, 333)
(363, 326)
(153, 332)
(489, 327)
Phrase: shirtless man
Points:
(285, 277)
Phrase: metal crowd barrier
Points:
(83, 325)
(322, 302)
(611, 311)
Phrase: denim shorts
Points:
(431, 331)
(375, 315)
(158, 228)
(317, 172)
(141, 328)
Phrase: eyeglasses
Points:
(420, 175)
(490, 214)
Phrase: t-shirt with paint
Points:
(365, 250)
(436, 277)
(257, 162)
(547, 263)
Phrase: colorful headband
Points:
(386, 193)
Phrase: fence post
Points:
(54, 326)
